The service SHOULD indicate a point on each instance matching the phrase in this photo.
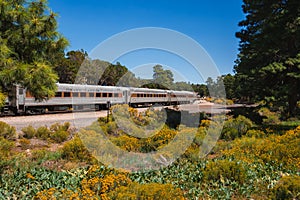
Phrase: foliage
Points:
(68, 68)
(26, 184)
(284, 149)
(25, 143)
(255, 133)
(5, 147)
(30, 47)
(224, 169)
(267, 65)
(60, 133)
(236, 127)
(269, 116)
(43, 132)
(154, 191)
(162, 78)
(57, 132)
(288, 187)
(2, 99)
(216, 88)
(29, 132)
(201, 89)
(7, 131)
(75, 150)
(60, 136)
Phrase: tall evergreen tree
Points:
(30, 46)
(268, 65)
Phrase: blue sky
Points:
(210, 23)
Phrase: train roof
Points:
(74, 87)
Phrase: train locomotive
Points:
(75, 97)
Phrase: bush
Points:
(284, 149)
(43, 133)
(229, 102)
(236, 127)
(288, 187)
(269, 116)
(255, 133)
(154, 191)
(75, 150)
(29, 132)
(224, 169)
(5, 147)
(57, 127)
(127, 143)
(25, 143)
(60, 136)
(7, 131)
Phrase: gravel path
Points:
(80, 119)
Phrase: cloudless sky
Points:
(86, 23)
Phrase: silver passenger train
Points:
(86, 97)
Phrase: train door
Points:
(125, 96)
(20, 99)
(20, 96)
(169, 97)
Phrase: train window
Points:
(116, 94)
(20, 91)
(75, 94)
(82, 94)
(58, 94)
(134, 95)
(28, 94)
(110, 94)
(104, 94)
(98, 94)
(67, 94)
(91, 94)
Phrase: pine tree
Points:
(268, 65)
(30, 47)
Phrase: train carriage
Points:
(147, 96)
(86, 97)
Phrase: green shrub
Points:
(153, 191)
(57, 126)
(279, 149)
(75, 150)
(43, 133)
(29, 132)
(224, 170)
(288, 187)
(229, 102)
(269, 116)
(5, 147)
(127, 143)
(59, 136)
(41, 155)
(25, 143)
(2, 99)
(255, 133)
(7, 131)
(236, 127)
